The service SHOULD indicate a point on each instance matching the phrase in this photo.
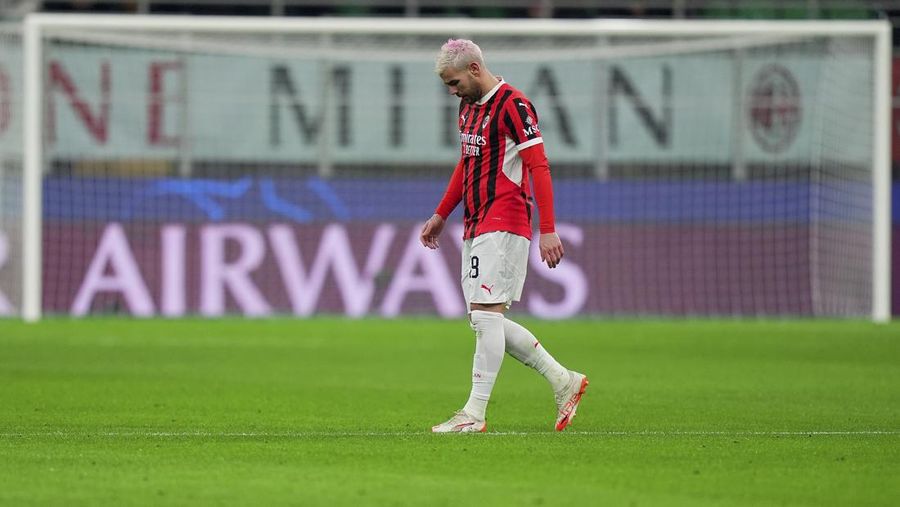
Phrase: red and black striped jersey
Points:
(496, 193)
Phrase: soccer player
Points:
(502, 150)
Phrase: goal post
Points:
(704, 168)
(881, 178)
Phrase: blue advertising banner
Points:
(316, 200)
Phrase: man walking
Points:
(501, 151)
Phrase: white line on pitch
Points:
(346, 434)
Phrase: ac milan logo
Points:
(774, 108)
(487, 118)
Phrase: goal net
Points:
(11, 215)
(215, 166)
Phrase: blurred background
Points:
(759, 9)
(496, 9)
(222, 173)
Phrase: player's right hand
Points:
(431, 230)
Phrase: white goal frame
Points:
(37, 25)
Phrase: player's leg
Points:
(518, 341)
(568, 386)
(522, 345)
(488, 289)
(487, 322)
(489, 349)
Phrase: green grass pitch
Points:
(334, 412)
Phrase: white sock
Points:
(489, 345)
(522, 345)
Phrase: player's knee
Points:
(480, 319)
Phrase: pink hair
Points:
(457, 53)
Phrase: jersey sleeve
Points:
(520, 121)
(453, 195)
(535, 161)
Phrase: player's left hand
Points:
(551, 249)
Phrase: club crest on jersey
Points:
(487, 118)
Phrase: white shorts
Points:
(493, 268)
